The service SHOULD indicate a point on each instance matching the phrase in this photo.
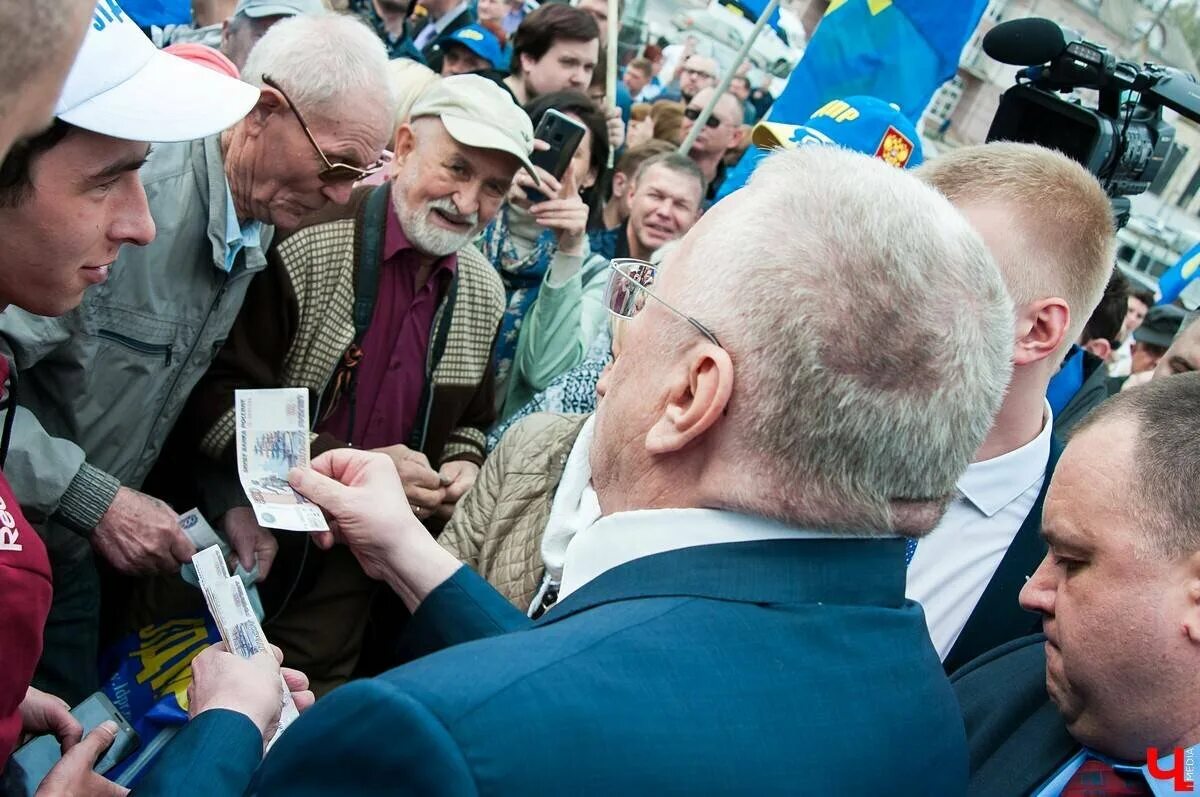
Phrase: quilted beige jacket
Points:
(498, 527)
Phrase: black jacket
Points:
(1092, 393)
(1016, 738)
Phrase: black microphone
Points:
(1025, 42)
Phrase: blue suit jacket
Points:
(785, 666)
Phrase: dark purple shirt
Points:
(391, 375)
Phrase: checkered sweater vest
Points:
(320, 263)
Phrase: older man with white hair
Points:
(735, 621)
(405, 311)
(105, 383)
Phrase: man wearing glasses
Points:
(107, 381)
(722, 132)
(698, 72)
(734, 622)
(397, 355)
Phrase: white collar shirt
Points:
(954, 563)
(622, 537)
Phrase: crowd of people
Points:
(687, 470)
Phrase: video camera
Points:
(1124, 141)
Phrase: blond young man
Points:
(968, 572)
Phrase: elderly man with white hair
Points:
(404, 311)
(104, 384)
(735, 620)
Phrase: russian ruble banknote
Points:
(201, 533)
(272, 438)
(230, 607)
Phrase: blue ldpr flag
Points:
(1176, 278)
(158, 12)
(752, 10)
(897, 50)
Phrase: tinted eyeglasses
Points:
(333, 173)
(694, 113)
(629, 285)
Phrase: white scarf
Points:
(575, 507)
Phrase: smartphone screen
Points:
(37, 757)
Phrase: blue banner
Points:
(900, 51)
(158, 12)
(1176, 278)
(752, 10)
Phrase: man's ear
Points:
(1041, 330)
(698, 398)
(1099, 347)
(404, 143)
(619, 185)
(1191, 616)
(270, 102)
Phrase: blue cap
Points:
(478, 40)
(863, 124)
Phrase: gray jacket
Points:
(101, 387)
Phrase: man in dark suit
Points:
(1119, 594)
(734, 621)
(967, 573)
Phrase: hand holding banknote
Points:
(248, 686)
(365, 498)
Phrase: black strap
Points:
(370, 242)
(416, 439)
(11, 405)
(366, 283)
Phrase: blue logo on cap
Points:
(107, 12)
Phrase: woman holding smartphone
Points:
(538, 244)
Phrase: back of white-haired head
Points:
(322, 60)
(870, 332)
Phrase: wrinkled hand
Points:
(45, 713)
(248, 686)
(73, 776)
(422, 484)
(616, 128)
(564, 212)
(460, 477)
(250, 542)
(139, 535)
(364, 497)
(640, 132)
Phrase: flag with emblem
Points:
(897, 50)
(1179, 276)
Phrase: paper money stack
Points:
(230, 607)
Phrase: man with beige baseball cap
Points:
(399, 360)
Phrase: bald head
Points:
(40, 42)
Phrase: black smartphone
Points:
(564, 135)
(40, 754)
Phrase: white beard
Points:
(423, 233)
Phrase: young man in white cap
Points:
(70, 198)
(412, 377)
(105, 382)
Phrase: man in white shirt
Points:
(968, 572)
(737, 611)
